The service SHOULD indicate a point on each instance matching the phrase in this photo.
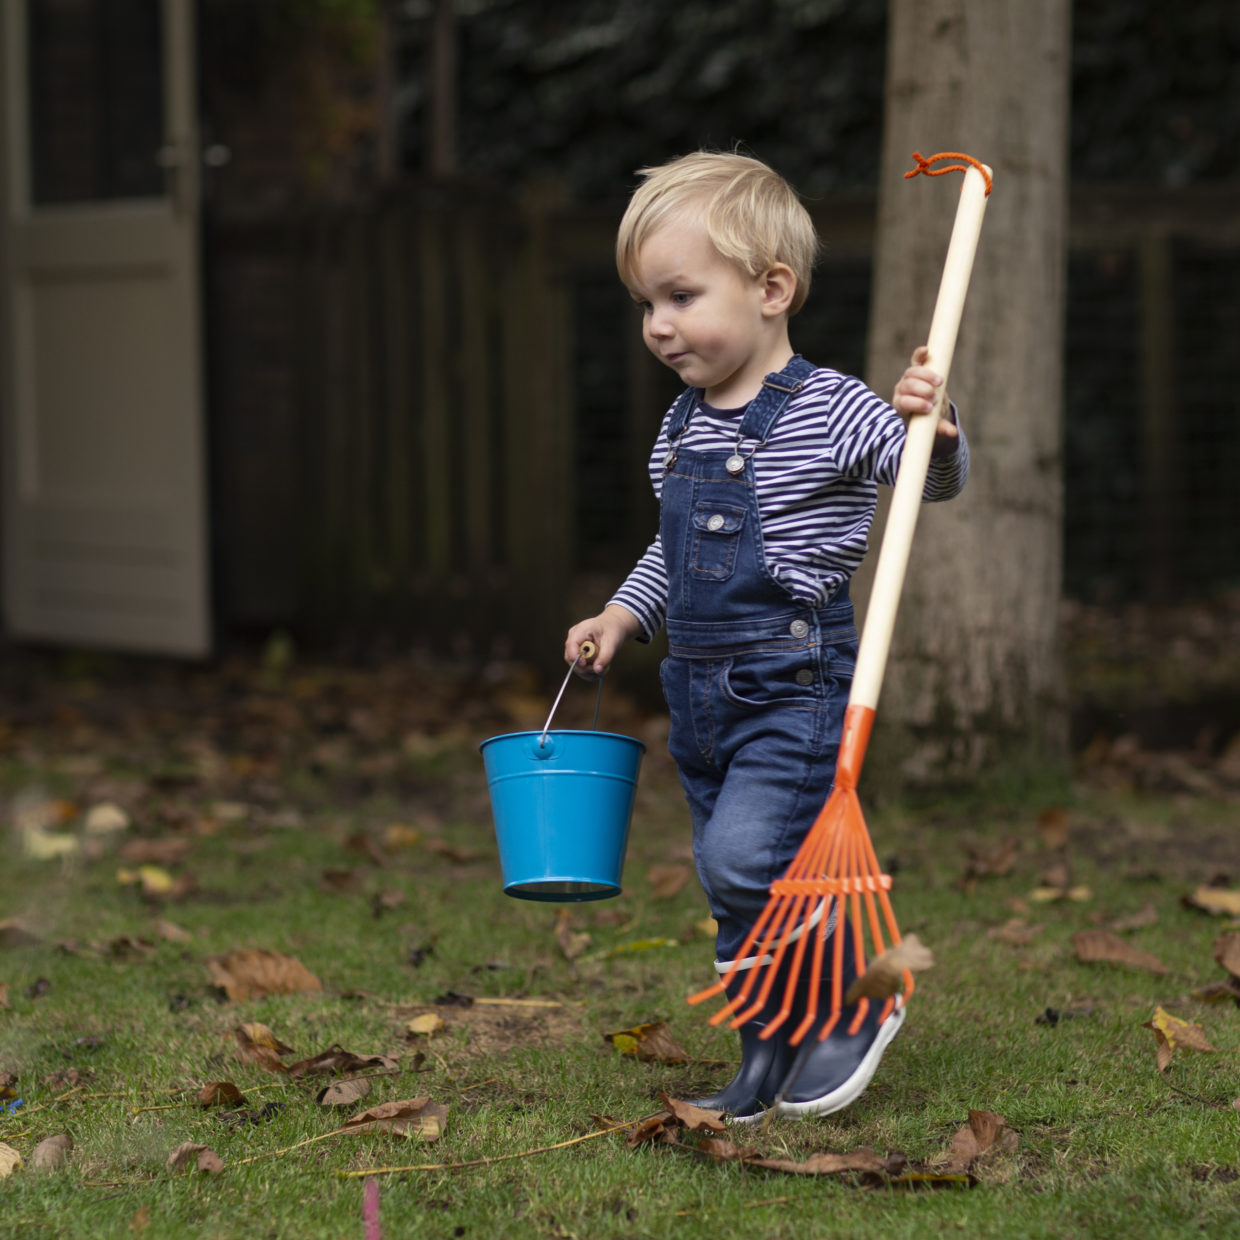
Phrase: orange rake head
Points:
(834, 875)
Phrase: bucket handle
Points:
(587, 652)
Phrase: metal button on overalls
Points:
(805, 676)
(715, 522)
(799, 628)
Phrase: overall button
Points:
(805, 676)
(715, 523)
(799, 628)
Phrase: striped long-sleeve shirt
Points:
(816, 486)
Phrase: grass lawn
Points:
(342, 820)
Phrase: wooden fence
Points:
(443, 408)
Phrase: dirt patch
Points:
(494, 1029)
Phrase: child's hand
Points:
(917, 394)
(608, 631)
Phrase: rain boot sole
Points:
(847, 1093)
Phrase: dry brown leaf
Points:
(397, 836)
(885, 975)
(171, 932)
(257, 1044)
(984, 1131)
(141, 1220)
(652, 1043)
(340, 882)
(1053, 827)
(52, 1152)
(1217, 992)
(344, 1093)
(5, 1005)
(993, 861)
(1147, 915)
(1227, 952)
(864, 1159)
(1219, 901)
(170, 850)
(220, 1094)
(413, 1117)
(1172, 1034)
(10, 1160)
(188, 1156)
(126, 947)
(667, 881)
(337, 1059)
(455, 853)
(1103, 947)
(1016, 930)
(253, 973)
(13, 933)
(572, 942)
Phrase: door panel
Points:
(104, 534)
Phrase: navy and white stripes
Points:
(816, 480)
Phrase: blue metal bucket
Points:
(562, 804)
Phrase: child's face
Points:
(702, 315)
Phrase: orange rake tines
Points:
(836, 872)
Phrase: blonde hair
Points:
(752, 216)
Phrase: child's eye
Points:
(681, 299)
(644, 306)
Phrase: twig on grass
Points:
(288, 1149)
(486, 1162)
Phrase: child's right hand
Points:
(609, 630)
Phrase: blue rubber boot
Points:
(764, 1063)
(828, 1075)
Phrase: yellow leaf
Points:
(1173, 1033)
(424, 1025)
(46, 845)
(1221, 901)
(105, 818)
(10, 1160)
(650, 1043)
(398, 836)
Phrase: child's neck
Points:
(771, 354)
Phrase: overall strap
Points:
(777, 390)
(685, 404)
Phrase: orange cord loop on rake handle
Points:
(923, 165)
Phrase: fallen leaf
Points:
(667, 881)
(257, 1044)
(1219, 901)
(993, 861)
(694, 1118)
(398, 836)
(424, 1025)
(572, 942)
(864, 1160)
(337, 1059)
(220, 1094)
(10, 1160)
(141, 1220)
(1173, 1033)
(1053, 827)
(1147, 915)
(1227, 952)
(47, 845)
(126, 947)
(885, 975)
(1045, 895)
(344, 1093)
(984, 1131)
(649, 1043)
(13, 933)
(171, 850)
(453, 852)
(5, 1006)
(1217, 992)
(172, 933)
(253, 973)
(414, 1117)
(52, 1152)
(105, 818)
(1103, 947)
(187, 1155)
(1016, 930)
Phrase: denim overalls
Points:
(756, 682)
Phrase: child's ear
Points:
(779, 287)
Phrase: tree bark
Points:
(974, 683)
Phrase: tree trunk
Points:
(974, 684)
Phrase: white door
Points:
(104, 516)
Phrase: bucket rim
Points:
(617, 736)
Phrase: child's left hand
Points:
(917, 394)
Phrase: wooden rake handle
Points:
(893, 556)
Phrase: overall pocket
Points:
(716, 538)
